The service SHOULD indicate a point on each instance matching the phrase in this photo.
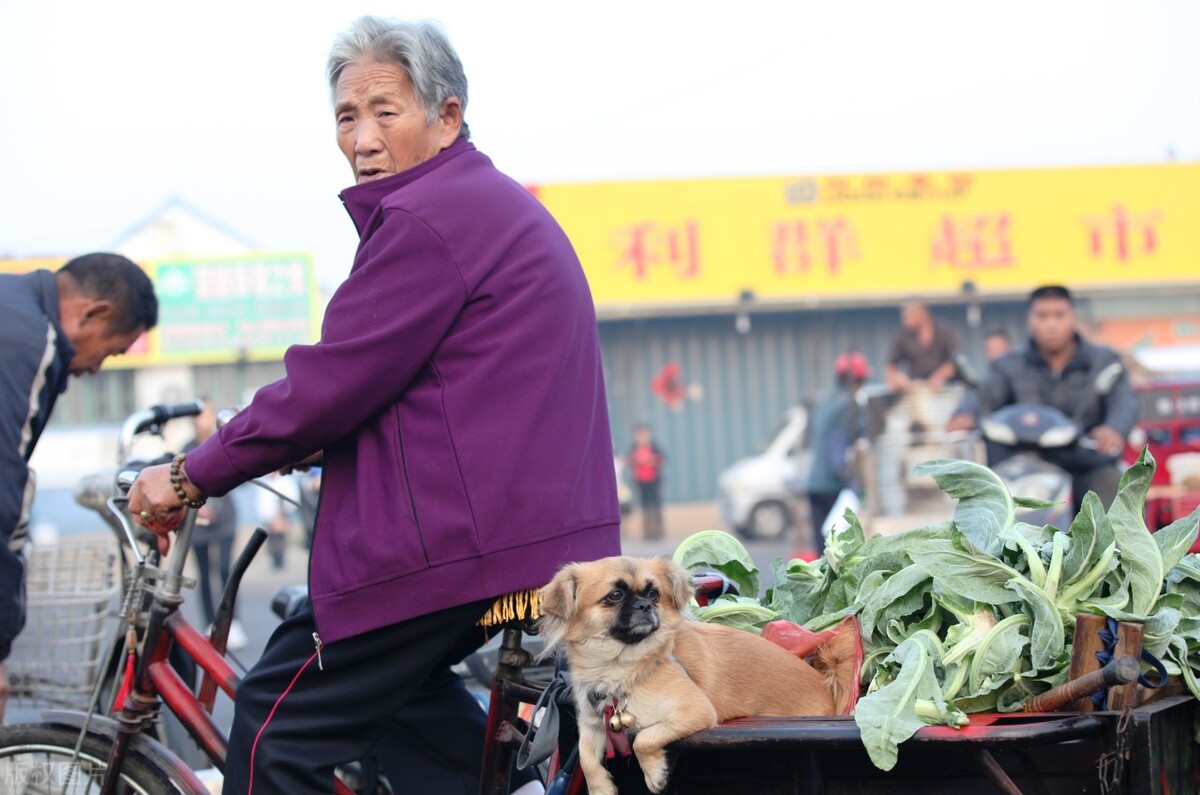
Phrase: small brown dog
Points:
(665, 676)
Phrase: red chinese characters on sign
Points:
(973, 242)
(649, 245)
(801, 244)
(1121, 234)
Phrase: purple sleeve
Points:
(380, 329)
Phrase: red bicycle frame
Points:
(155, 680)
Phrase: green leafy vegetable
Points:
(985, 507)
(978, 613)
(894, 712)
(1140, 556)
(716, 549)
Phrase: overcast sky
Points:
(109, 109)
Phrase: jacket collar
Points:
(1078, 359)
(361, 201)
(44, 286)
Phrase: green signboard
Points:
(229, 309)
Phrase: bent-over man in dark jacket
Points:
(52, 326)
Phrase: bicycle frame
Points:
(154, 680)
(153, 677)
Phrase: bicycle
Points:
(74, 751)
(85, 752)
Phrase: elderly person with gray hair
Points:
(457, 399)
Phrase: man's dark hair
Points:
(111, 277)
(1051, 291)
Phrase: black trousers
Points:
(391, 691)
(1103, 480)
(650, 498)
(1089, 470)
(820, 503)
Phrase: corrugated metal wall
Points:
(743, 383)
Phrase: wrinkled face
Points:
(621, 598)
(381, 127)
(1052, 324)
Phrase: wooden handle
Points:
(1120, 671)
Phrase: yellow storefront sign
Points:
(704, 242)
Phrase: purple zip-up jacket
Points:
(458, 395)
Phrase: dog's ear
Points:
(677, 581)
(558, 605)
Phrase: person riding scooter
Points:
(1060, 369)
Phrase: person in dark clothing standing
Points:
(834, 427)
(1059, 368)
(646, 462)
(52, 326)
(923, 349)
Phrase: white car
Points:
(758, 493)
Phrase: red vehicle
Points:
(1170, 425)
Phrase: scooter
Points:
(1023, 435)
(1031, 430)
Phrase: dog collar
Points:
(617, 723)
(616, 740)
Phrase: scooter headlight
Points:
(1058, 437)
(998, 432)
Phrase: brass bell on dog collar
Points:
(621, 720)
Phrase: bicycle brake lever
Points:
(117, 506)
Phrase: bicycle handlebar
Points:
(153, 419)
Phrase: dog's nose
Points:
(643, 605)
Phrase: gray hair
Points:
(420, 48)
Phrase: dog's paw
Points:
(656, 769)
(605, 787)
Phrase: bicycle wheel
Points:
(40, 758)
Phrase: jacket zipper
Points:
(312, 544)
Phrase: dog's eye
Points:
(614, 597)
(652, 593)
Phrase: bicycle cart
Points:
(1148, 749)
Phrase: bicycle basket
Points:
(73, 587)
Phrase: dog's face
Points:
(620, 599)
